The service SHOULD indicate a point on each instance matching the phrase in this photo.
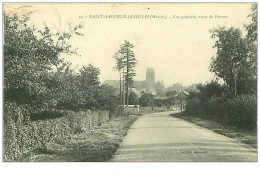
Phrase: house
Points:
(180, 99)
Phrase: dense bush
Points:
(240, 111)
(22, 137)
(193, 106)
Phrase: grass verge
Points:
(244, 136)
(96, 145)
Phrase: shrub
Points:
(23, 137)
(193, 106)
(242, 111)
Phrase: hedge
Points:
(240, 111)
(22, 137)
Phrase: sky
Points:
(177, 45)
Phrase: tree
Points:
(171, 94)
(252, 27)
(231, 63)
(206, 91)
(82, 90)
(89, 76)
(133, 98)
(106, 99)
(31, 58)
(129, 62)
(146, 99)
(69, 94)
(251, 38)
(120, 64)
(89, 85)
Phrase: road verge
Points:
(244, 136)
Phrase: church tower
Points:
(150, 76)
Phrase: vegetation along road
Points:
(161, 137)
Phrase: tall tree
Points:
(31, 57)
(120, 64)
(251, 38)
(230, 62)
(252, 27)
(89, 84)
(130, 62)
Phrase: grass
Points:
(96, 145)
(244, 136)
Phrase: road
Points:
(161, 137)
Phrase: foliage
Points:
(83, 91)
(128, 57)
(236, 63)
(39, 84)
(120, 64)
(97, 145)
(211, 102)
(242, 111)
(171, 94)
(231, 63)
(251, 38)
(23, 138)
(252, 28)
(146, 99)
(30, 58)
(210, 89)
(125, 64)
(133, 98)
(163, 102)
(37, 78)
(236, 58)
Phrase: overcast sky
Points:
(178, 49)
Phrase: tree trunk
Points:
(234, 74)
(123, 96)
(120, 88)
(127, 79)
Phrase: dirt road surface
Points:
(159, 137)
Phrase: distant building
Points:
(180, 99)
(181, 96)
(148, 85)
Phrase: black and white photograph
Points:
(129, 82)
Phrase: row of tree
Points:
(234, 101)
(125, 64)
(37, 79)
